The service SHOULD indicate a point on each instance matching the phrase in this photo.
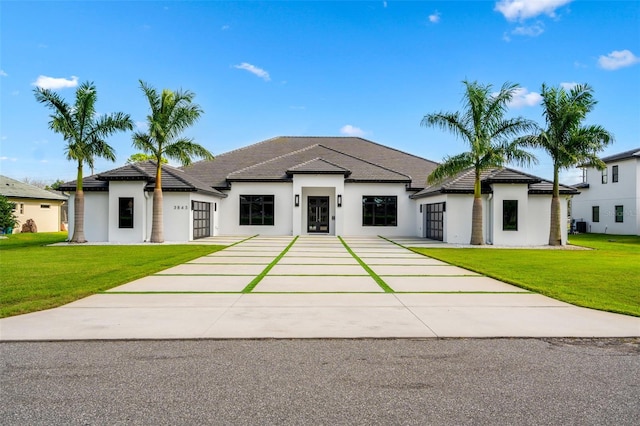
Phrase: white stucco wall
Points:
(126, 189)
(96, 215)
(625, 192)
(46, 219)
(318, 185)
(518, 192)
(229, 220)
(352, 210)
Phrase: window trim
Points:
(595, 214)
(507, 222)
(249, 199)
(123, 223)
(605, 176)
(385, 205)
(614, 174)
(620, 215)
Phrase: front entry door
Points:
(318, 215)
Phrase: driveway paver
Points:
(315, 289)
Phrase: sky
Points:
(310, 68)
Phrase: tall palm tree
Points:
(490, 136)
(171, 113)
(566, 140)
(85, 133)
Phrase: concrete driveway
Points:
(315, 287)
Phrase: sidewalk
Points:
(315, 287)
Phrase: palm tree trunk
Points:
(555, 234)
(477, 237)
(157, 229)
(78, 210)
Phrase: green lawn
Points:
(35, 277)
(605, 278)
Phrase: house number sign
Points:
(181, 207)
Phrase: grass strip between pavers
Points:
(312, 292)
(242, 241)
(383, 285)
(249, 288)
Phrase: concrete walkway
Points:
(314, 287)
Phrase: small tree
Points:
(8, 218)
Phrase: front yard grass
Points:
(35, 277)
(605, 278)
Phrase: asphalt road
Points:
(457, 381)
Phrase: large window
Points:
(604, 175)
(595, 213)
(619, 214)
(125, 212)
(256, 210)
(614, 173)
(509, 215)
(379, 210)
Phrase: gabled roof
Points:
(173, 179)
(464, 181)
(318, 166)
(12, 188)
(276, 168)
(389, 161)
(632, 153)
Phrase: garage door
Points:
(434, 221)
(201, 219)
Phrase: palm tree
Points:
(567, 142)
(171, 113)
(84, 132)
(490, 136)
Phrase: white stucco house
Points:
(314, 185)
(609, 200)
(31, 202)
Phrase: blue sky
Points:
(264, 69)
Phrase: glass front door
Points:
(318, 215)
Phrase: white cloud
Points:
(568, 85)
(523, 98)
(225, 27)
(515, 10)
(254, 70)
(3, 74)
(434, 18)
(617, 59)
(142, 125)
(529, 30)
(350, 130)
(13, 160)
(45, 82)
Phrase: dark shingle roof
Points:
(276, 168)
(12, 188)
(463, 183)
(632, 153)
(173, 179)
(389, 161)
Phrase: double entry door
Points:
(318, 215)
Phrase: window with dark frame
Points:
(619, 214)
(595, 213)
(379, 210)
(509, 215)
(604, 175)
(257, 210)
(614, 173)
(125, 212)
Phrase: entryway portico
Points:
(317, 207)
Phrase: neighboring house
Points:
(609, 200)
(44, 207)
(311, 185)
